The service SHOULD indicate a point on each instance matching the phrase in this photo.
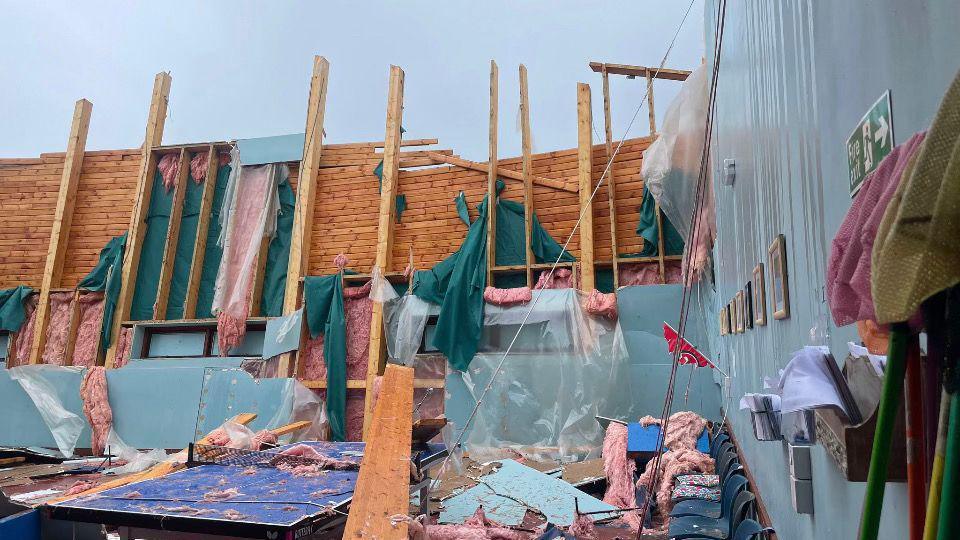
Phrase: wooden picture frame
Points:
(779, 278)
(748, 305)
(759, 296)
(738, 300)
(724, 320)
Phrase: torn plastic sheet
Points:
(136, 461)
(565, 368)
(63, 424)
(405, 320)
(300, 404)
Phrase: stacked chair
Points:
(716, 507)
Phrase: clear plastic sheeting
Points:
(671, 165)
(136, 461)
(565, 368)
(299, 404)
(405, 320)
(63, 424)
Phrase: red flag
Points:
(688, 353)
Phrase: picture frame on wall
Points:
(738, 300)
(748, 306)
(779, 283)
(724, 320)
(759, 296)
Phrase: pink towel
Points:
(848, 270)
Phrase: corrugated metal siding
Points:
(796, 76)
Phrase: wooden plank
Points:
(62, 221)
(425, 429)
(527, 167)
(383, 485)
(72, 325)
(173, 237)
(611, 178)
(148, 166)
(306, 196)
(584, 176)
(385, 231)
(640, 71)
(651, 113)
(492, 175)
(507, 174)
(203, 228)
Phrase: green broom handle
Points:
(950, 498)
(886, 417)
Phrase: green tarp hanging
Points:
(107, 276)
(457, 282)
(151, 255)
(12, 312)
(213, 252)
(401, 200)
(189, 218)
(647, 228)
(323, 308)
(278, 256)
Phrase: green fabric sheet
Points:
(400, 201)
(12, 312)
(647, 228)
(323, 307)
(107, 276)
(457, 282)
(278, 256)
(213, 252)
(189, 219)
(151, 255)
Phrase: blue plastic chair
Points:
(721, 528)
(747, 530)
(717, 441)
(735, 484)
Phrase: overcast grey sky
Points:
(242, 69)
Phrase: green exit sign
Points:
(870, 142)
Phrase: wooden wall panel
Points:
(345, 219)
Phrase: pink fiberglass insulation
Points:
(124, 342)
(478, 527)
(583, 528)
(325, 462)
(88, 329)
(24, 338)
(79, 487)
(673, 463)
(96, 407)
(683, 429)
(619, 471)
(507, 297)
(561, 278)
(262, 437)
(649, 273)
(57, 328)
(249, 214)
(358, 310)
(601, 304)
(169, 166)
(354, 420)
(221, 494)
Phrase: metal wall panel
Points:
(796, 76)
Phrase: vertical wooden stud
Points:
(302, 233)
(62, 220)
(391, 169)
(203, 228)
(611, 180)
(584, 175)
(492, 176)
(173, 237)
(72, 326)
(525, 145)
(651, 113)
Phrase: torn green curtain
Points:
(151, 256)
(107, 276)
(323, 301)
(278, 256)
(648, 227)
(12, 312)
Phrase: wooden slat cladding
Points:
(345, 219)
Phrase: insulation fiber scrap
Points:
(683, 429)
(88, 329)
(96, 406)
(57, 328)
(24, 338)
(507, 297)
(477, 527)
(619, 471)
(358, 310)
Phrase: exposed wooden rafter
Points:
(492, 174)
(527, 168)
(640, 71)
(585, 178)
(62, 221)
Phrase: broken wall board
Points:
(508, 492)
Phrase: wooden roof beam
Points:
(640, 71)
(503, 172)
